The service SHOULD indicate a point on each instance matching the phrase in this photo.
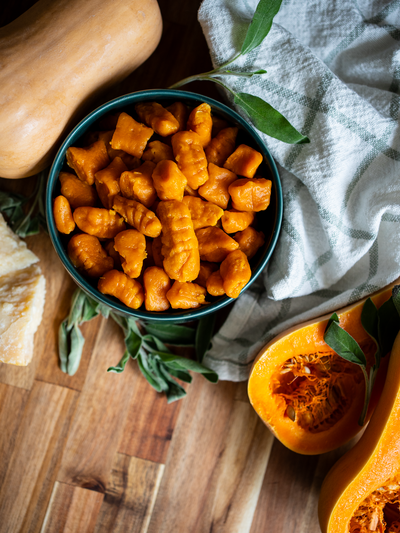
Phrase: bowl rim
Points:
(84, 124)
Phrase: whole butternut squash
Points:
(361, 493)
(310, 397)
(55, 58)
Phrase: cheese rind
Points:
(14, 255)
(22, 295)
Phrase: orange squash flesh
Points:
(309, 397)
(361, 493)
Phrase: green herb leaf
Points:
(370, 322)
(171, 333)
(178, 362)
(183, 375)
(63, 345)
(120, 367)
(269, 120)
(133, 344)
(396, 298)
(344, 345)
(75, 354)
(260, 24)
(204, 333)
(175, 392)
(147, 373)
(389, 326)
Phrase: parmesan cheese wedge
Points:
(22, 294)
(14, 255)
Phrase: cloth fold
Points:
(333, 69)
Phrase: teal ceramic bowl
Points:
(269, 220)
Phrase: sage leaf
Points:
(396, 298)
(269, 120)
(389, 326)
(370, 322)
(147, 374)
(260, 24)
(133, 344)
(171, 333)
(204, 332)
(120, 367)
(344, 345)
(183, 375)
(77, 304)
(63, 345)
(178, 362)
(75, 354)
(175, 392)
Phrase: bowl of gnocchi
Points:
(164, 205)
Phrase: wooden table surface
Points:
(101, 452)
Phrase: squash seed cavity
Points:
(317, 389)
(380, 511)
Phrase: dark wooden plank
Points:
(72, 510)
(196, 444)
(98, 425)
(150, 422)
(31, 470)
(130, 497)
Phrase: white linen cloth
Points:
(333, 69)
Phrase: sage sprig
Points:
(382, 325)
(146, 342)
(25, 214)
(265, 118)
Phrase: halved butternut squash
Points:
(361, 493)
(309, 396)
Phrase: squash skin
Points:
(302, 339)
(373, 460)
(57, 57)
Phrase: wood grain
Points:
(192, 456)
(130, 497)
(72, 510)
(149, 436)
(98, 425)
(30, 473)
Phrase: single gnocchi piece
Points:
(169, 181)
(127, 290)
(77, 192)
(249, 241)
(87, 254)
(200, 122)
(186, 295)
(180, 112)
(131, 246)
(157, 151)
(190, 157)
(206, 269)
(244, 161)
(250, 194)
(63, 215)
(203, 213)
(138, 216)
(235, 272)
(107, 181)
(87, 161)
(138, 184)
(156, 285)
(101, 223)
(221, 146)
(215, 284)
(180, 248)
(216, 188)
(130, 161)
(215, 244)
(233, 221)
(130, 136)
(158, 118)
